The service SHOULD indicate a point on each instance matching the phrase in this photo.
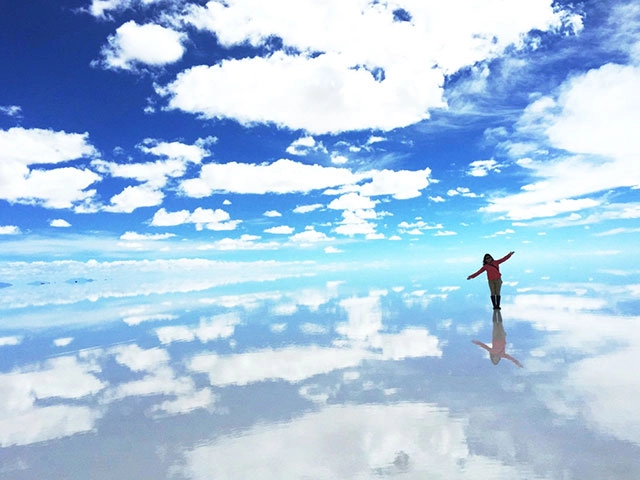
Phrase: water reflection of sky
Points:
(281, 371)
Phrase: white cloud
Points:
(464, 191)
(309, 237)
(37, 146)
(375, 139)
(245, 242)
(617, 231)
(217, 219)
(338, 159)
(280, 230)
(481, 168)
(357, 211)
(313, 329)
(355, 82)
(417, 226)
(355, 222)
(152, 174)
(352, 201)
(282, 176)
(305, 145)
(133, 197)
(177, 150)
(63, 342)
(402, 184)
(10, 341)
(272, 213)
(307, 208)
(52, 188)
(9, 230)
(59, 223)
(286, 176)
(149, 44)
(136, 237)
(313, 84)
(331, 249)
(591, 119)
(11, 110)
(101, 8)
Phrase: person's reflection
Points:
(498, 342)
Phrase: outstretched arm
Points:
(509, 357)
(474, 275)
(505, 258)
(480, 344)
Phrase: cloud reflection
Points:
(361, 337)
(592, 380)
(59, 382)
(349, 441)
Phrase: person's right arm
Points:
(474, 275)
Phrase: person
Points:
(497, 350)
(494, 276)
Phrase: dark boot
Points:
(494, 302)
(498, 302)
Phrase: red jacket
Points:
(492, 269)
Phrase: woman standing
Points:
(494, 276)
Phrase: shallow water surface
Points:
(288, 376)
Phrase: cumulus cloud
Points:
(9, 230)
(148, 44)
(133, 197)
(10, 341)
(178, 150)
(59, 223)
(51, 187)
(305, 145)
(39, 146)
(349, 82)
(309, 237)
(286, 177)
(217, 219)
(152, 176)
(282, 176)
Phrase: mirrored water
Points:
(201, 370)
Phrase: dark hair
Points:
(484, 259)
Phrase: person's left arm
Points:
(505, 258)
(509, 357)
(480, 344)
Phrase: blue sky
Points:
(307, 130)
